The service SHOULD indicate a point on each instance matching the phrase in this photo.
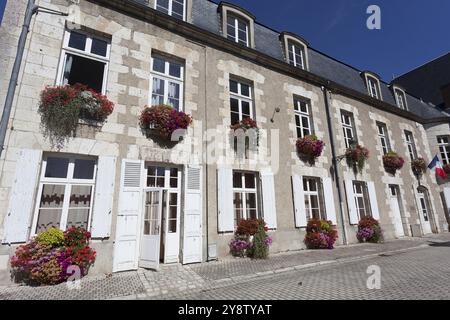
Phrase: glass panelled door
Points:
(394, 202)
(424, 212)
(151, 230)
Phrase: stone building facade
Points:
(223, 64)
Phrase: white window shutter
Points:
(447, 198)
(193, 204)
(299, 201)
(373, 200)
(126, 248)
(268, 195)
(104, 195)
(225, 200)
(23, 192)
(353, 215)
(329, 200)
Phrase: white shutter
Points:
(192, 236)
(299, 201)
(129, 213)
(268, 195)
(373, 200)
(23, 192)
(447, 199)
(329, 200)
(225, 200)
(353, 215)
(104, 195)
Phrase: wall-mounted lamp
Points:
(273, 115)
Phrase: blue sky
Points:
(2, 9)
(412, 31)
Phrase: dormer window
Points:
(373, 85)
(237, 24)
(400, 98)
(174, 8)
(295, 50)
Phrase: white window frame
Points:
(400, 98)
(298, 113)
(169, 9)
(240, 98)
(235, 37)
(444, 148)
(364, 195)
(291, 49)
(383, 136)
(68, 182)
(166, 77)
(348, 126)
(244, 192)
(86, 53)
(373, 85)
(309, 194)
(411, 146)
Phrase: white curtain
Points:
(67, 69)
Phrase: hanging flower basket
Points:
(418, 166)
(357, 156)
(62, 107)
(163, 120)
(309, 147)
(249, 126)
(393, 162)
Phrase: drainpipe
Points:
(335, 163)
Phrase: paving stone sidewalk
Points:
(175, 281)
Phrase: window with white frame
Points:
(174, 8)
(362, 201)
(314, 201)
(167, 82)
(444, 148)
(238, 29)
(384, 137)
(410, 145)
(65, 192)
(296, 54)
(85, 60)
(241, 102)
(348, 126)
(245, 196)
(374, 87)
(400, 97)
(303, 119)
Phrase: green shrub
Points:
(260, 249)
(52, 237)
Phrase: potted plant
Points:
(356, 157)
(309, 147)
(392, 162)
(249, 127)
(62, 107)
(418, 166)
(163, 120)
(369, 230)
(320, 234)
(251, 239)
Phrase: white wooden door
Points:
(395, 209)
(151, 230)
(424, 213)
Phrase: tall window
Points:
(65, 192)
(400, 98)
(410, 145)
(314, 201)
(361, 199)
(174, 8)
(296, 54)
(167, 82)
(384, 137)
(245, 196)
(85, 60)
(241, 102)
(348, 126)
(238, 30)
(374, 88)
(303, 121)
(444, 148)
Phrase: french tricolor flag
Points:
(437, 166)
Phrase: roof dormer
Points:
(400, 97)
(372, 81)
(237, 24)
(295, 50)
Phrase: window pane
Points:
(233, 86)
(52, 196)
(173, 201)
(246, 108)
(237, 180)
(234, 118)
(251, 200)
(172, 226)
(99, 47)
(245, 90)
(84, 169)
(175, 70)
(234, 103)
(177, 9)
(56, 167)
(174, 95)
(77, 72)
(162, 5)
(250, 181)
(80, 196)
(242, 36)
(158, 64)
(231, 33)
(77, 218)
(48, 218)
(157, 91)
(77, 41)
